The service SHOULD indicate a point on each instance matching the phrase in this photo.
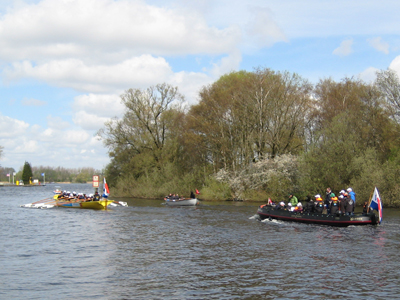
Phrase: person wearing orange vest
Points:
(319, 206)
(334, 205)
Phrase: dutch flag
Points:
(376, 204)
(106, 191)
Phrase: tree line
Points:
(259, 135)
(51, 174)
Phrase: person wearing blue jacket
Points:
(352, 196)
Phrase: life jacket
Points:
(335, 201)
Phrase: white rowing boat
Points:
(182, 202)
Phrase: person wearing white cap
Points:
(319, 207)
(281, 205)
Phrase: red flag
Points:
(106, 190)
(197, 192)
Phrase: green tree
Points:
(248, 116)
(27, 173)
(142, 143)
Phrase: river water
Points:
(214, 251)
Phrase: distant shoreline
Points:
(5, 183)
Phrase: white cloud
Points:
(33, 102)
(57, 123)
(75, 137)
(74, 73)
(263, 29)
(345, 48)
(379, 45)
(10, 127)
(369, 74)
(107, 30)
(103, 105)
(395, 65)
(89, 121)
(27, 146)
(227, 64)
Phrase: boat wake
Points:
(274, 222)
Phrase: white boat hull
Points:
(183, 202)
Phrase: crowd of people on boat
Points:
(70, 196)
(177, 197)
(173, 197)
(343, 204)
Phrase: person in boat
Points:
(319, 206)
(299, 207)
(334, 205)
(96, 196)
(365, 208)
(342, 203)
(327, 201)
(192, 195)
(349, 205)
(281, 206)
(352, 196)
(293, 200)
(310, 205)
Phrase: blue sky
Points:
(64, 63)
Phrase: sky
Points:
(65, 63)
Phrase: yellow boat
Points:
(101, 204)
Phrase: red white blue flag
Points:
(376, 204)
(106, 191)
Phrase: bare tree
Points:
(388, 83)
(146, 123)
(281, 102)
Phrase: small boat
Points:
(181, 202)
(271, 212)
